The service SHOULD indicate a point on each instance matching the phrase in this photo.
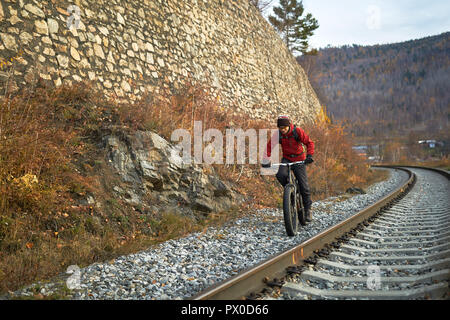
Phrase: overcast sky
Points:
(369, 22)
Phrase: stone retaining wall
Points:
(128, 46)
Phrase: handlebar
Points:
(288, 164)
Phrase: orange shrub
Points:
(336, 165)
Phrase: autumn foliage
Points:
(336, 167)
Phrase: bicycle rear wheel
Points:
(290, 210)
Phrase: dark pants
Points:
(300, 174)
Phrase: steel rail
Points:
(252, 279)
(440, 171)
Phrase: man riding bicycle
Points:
(291, 140)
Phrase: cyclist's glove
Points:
(309, 159)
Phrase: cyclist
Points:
(291, 140)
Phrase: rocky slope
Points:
(156, 177)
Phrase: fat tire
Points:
(290, 211)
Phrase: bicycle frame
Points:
(290, 164)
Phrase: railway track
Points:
(398, 248)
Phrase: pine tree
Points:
(294, 29)
(261, 5)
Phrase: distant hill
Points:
(385, 89)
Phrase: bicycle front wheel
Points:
(290, 210)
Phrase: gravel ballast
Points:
(181, 268)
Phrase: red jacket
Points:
(291, 149)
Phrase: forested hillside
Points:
(386, 90)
